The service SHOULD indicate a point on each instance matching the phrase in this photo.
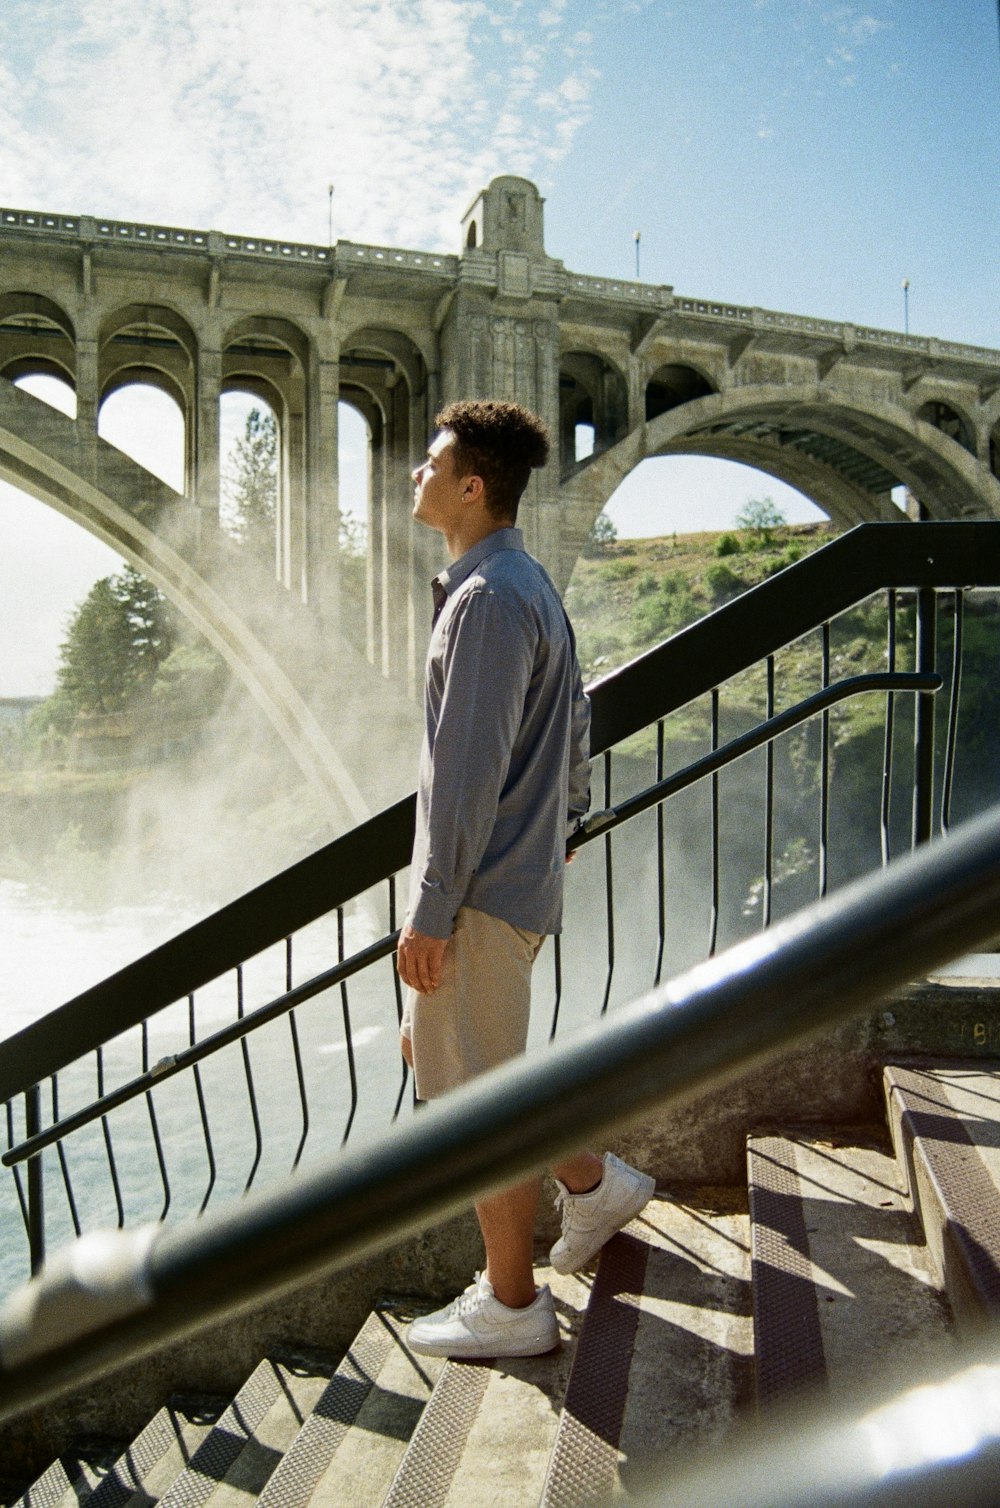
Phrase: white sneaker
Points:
(477, 1324)
(588, 1220)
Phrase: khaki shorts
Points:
(478, 1015)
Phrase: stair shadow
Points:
(654, 1370)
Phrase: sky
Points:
(804, 155)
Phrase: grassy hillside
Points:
(628, 596)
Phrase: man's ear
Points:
(473, 490)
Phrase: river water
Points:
(54, 951)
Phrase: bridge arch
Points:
(673, 384)
(151, 339)
(951, 421)
(243, 616)
(39, 338)
(593, 392)
(843, 454)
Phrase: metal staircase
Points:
(795, 1273)
(853, 1250)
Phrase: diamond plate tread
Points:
(585, 1459)
(425, 1476)
(244, 1447)
(946, 1125)
(157, 1456)
(308, 1474)
(843, 1283)
(72, 1479)
(50, 1489)
(788, 1341)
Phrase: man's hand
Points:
(419, 959)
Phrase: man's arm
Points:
(488, 660)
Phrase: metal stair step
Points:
(842, 1280)
(155, 1458)
(349, 1448)
(485, 1437)
(945, 1121)
(243, 1448)
(664, 1356)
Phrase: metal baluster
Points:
(346, 1010)
(713, 921)
(769, 804)
(251, 1090)
(202, 1111)
(398, 994)
(63, 1164)
(661, 878)
(154, 1126)
(16, 1171)
(923, 723)
(890, 723)
(609, 887)
(824, 776)
(106, 1130)
(956, 684)
(297, 1052)
(557, 966)
(36, 1188)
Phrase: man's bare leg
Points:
(507, 1221)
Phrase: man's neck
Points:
(464, 539)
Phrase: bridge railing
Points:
(727, 791)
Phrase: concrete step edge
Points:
(178, 1424)
(952, 1190)
(583, 1466)
(335, 1413)
(71, 1479)
(228, 1438)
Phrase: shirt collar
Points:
(453, 575)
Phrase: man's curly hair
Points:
(500, 442)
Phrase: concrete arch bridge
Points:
(620, 371)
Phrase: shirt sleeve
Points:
(488, 658)
(579, 754)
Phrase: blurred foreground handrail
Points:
(111, 1297)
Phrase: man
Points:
(504, 776)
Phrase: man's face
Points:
(438, 490)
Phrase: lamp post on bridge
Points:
(906, 306)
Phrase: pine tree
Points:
(115, 642)
(250, 484)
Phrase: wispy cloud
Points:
(239, 115)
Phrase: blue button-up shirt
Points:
(504, 768)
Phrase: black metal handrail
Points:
(822, 966)
(130, 1073)
(757, 624)
(598, 824)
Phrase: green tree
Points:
(760, 516)
(250, 484)
(603, 532)
(115, 641)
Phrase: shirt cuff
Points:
(434, 913)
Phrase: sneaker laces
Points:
(467, 1301)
